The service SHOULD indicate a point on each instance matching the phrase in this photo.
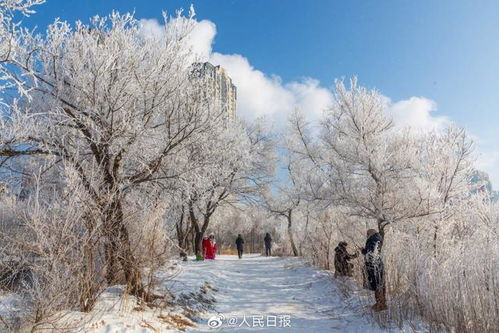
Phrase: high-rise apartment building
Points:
(221, 86)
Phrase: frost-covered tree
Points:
(11, 41)
(288, 197)
(116, 107)
(237, 164)
(376, 171)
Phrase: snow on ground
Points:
(280, 294)
(256, 293)
(115, 313)
(10, 305)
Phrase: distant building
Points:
(225, 92)
(482, 184)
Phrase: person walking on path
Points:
(342, 266)
(375, 269)
(268, 244)
(239, 245)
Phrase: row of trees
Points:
(357, 170)
(363, 165)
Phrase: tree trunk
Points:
(327, 257)
(204, 227)
(252, 241)
(381, 228)
(198, 231)
(89, 280)
(290, 233)
(435, 239)
(119, 250)
(198, 243)
(111, 257)
(182, 236)
(131, 269)
(88, 286)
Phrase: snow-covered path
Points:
(282, 294)
(252, 294)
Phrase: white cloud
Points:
(263, 95)
(416, 112)
(260, 94)
(311, 97)
(257, 94)
(200, 39)
(488, 160)
(151, 27)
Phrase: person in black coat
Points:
(342, 266)
(239, 245)
(375, 268)
(268, 244)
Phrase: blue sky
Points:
(445, 54)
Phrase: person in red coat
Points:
(206, 245)
(209, 247)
